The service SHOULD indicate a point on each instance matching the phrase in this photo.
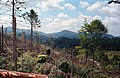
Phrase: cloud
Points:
(84, 4)
(95, 7)
(113, 25)
(62, 15)
(111, 9)
(112, 21)
(56, 24)
(48, 19)
(70, 6)
(103, 8)
(75, 24)
(4, 0)
(52, 4)
(83, 17)
(5, 21)
(97, 17)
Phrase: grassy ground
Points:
(111, 53)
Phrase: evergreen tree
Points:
(90, 35)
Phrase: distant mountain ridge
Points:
(108, 36)
(64, 33)
(27, 31)
(118, 36)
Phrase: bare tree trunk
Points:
(92, 56)
(6, 35)
(23, 42)
(14, 43)
(93, 60)
(72, 64)
(31, 38)
(38, 43)
(2, 39)
(14, 36)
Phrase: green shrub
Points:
(65, 67)
(42, 58)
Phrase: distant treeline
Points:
(62, 42)
(112, 44)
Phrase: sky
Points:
(58, 15)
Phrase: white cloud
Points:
(56, 25)
(52, 4)
(62, 15)
(5, 21)
(95, 7)
(111, 9)
(83, 17)
(84, 4)
(111, 21)
(57, 20)
(48, 19)
(113, 25)
(34, 0)
(4, 0)
(104, 8)
(69, 24)
(97, 17)
(70, 6)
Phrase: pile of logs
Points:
(14, 74)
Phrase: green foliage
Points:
(91, 31)
(65, 67)
(27, 61)
(111, 44)
(42, 58)
(93, 44)
(5, 62)
(89, 73)
(60, 75)
(109, 67)
(32, 17)
(47, 71)
(96, 26)
(102, 58)
(62, 42)
(37, 64)
(104, 61)
(84, 73)
(90, 38)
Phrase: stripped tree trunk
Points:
(0, 41)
